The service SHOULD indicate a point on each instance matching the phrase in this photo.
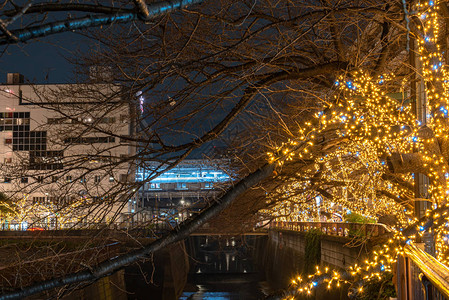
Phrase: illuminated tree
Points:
(377, 146)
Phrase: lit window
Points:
(181, 186)
(7, 160)
(68, 178)
(155, 186)
(111, 179)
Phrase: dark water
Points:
(224, 268)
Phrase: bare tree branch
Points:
(154, 10)
(179, 233)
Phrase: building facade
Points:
(181, 191)
(65, 154)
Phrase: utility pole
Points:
(421, 181)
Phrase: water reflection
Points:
(203, 293)
(223, 268)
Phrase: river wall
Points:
(163, 277)
(283, 258)
(106, 288)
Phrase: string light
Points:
(371, 126)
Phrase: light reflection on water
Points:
(223, 269)
(208, 296)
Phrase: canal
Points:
(202, 267)
(224, 268)
(248, 267)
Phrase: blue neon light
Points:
(185, 174)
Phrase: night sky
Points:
(42, 61)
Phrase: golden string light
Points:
(371, 125)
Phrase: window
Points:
(123, 177)
(125, 139)
(56, 120)
(90, 140)
(26, 140)
(54, 178)
(39, 199)
(40, 179)
(111, 179)
(7, 180)
(107, 120)
(46, 160)
(24, 180)
(7, 160)
(88, 120)
(124, 118)
(155, 186)
(68, 178)
(8, 141)
(97, 179)
(83, 179)
(208, 185)
(181, 186)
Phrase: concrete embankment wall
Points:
(336, 251)
(284, 254)
(163, 277)
(110, 287)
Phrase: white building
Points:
(65, 153)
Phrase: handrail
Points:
(436, 272)
(334, 228)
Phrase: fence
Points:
(334, 228)
(151, 227)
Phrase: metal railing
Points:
(334, 228)
(421, 276)
(37, 226)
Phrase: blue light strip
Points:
(179, 175)
(155, 9)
